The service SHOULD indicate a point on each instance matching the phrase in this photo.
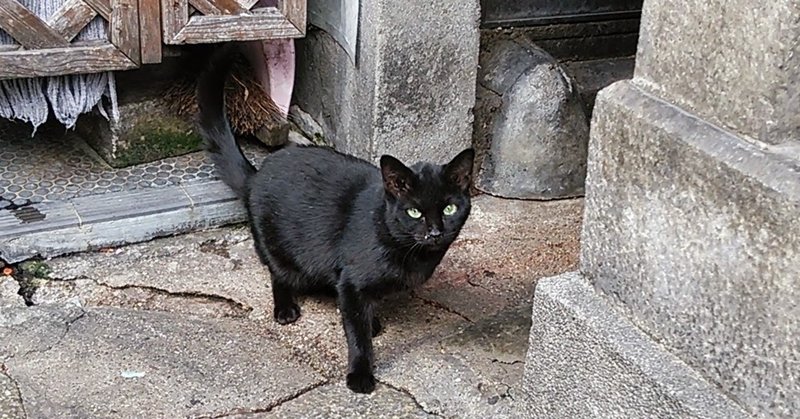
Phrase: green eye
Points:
(413, 213)
(450, 209)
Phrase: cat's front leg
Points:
(357, 318)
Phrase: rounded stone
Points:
(531, 116)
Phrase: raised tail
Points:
(232, 166)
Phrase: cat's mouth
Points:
(433, 243)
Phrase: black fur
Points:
(324, 220)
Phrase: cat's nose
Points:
(434, 233)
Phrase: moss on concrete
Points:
(154, 140)
(146, 131)
(36, 269)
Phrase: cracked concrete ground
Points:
(180, 327)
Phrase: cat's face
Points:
(427, 204)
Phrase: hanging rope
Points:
(31, 100)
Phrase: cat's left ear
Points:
(459, 170)
(397, 178)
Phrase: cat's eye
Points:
(450, 209)
(413, 213)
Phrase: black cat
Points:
(322, 219)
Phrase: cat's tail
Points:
(232, 166)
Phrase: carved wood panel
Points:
(210, 21)
(49, 47)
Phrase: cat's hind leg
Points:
(284, 284)
(283, 296)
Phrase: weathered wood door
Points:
(48, 47)
(210, 21)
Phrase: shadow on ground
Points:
(180, 327)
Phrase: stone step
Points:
(694, 230)
(587, 360)
(109, 362)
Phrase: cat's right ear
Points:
(397, 178)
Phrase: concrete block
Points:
(733, 62)
(146, 131)
(531, 117)
(695, 232)
(412, 89)
(586, 360)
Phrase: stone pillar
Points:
(412, 89)
(691, 244)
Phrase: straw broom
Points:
(251, 111)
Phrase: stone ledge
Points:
(694, 231)
(586, 360)
(113, 219)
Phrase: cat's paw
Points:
(287, 314)
(377, 327)
(363, 382)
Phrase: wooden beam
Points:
(247, 4)
(150, 31)
(174, 16)
(71, 18)
(249, 27)
(205, 7)
(26, 28)
(295, 12)
(60, 61)
(229, 7)
(125, 28)
(102, 7)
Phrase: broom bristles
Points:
(249, 107)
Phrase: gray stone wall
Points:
(690, 227)
(694, 232)
(733, 62)
(412, 89)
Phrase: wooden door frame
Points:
(46, 48)
(231, 20)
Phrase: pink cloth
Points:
(274, 64)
